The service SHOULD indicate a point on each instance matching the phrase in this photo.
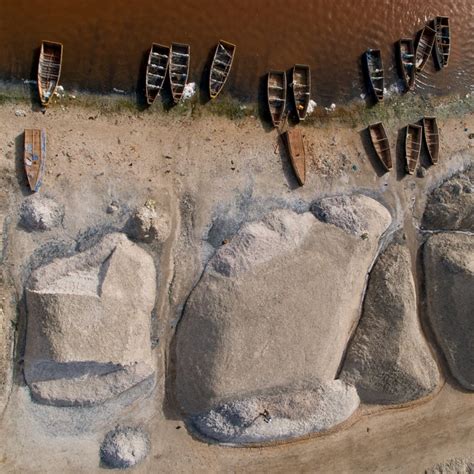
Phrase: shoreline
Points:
(397, 106)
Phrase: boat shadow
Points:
(204, 96)
(33, 87)
(400, 154)
(370, 152)
(20, 174)
(142, 103)
(262, 104)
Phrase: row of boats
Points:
(412, 56)
(163, 61)
(413, 143)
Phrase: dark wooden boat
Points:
(374, 71)
(442, 43)
(424, 46)
(412, 147)
(34, 157)
(431, 134)
(180, 55)
(381, 145)
(301, 86)
(295, 145)
(156, 69)
(49, 69)
(276, 94)
(406, 61)
(220, 67)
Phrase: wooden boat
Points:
(431, 134)
(220, 67)
(156, 69)
(442, 43)
(424, 46)
(374, 70)
(295, 147)
(276, 94)
(49, 69)
(34, 157)
(381, 145)
(301, 86)
(180, 55)
(412, 147)
(406, 61)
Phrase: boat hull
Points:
(156, 70)
(301, 87)
(49, 70)
(412, 147)
(293, 139)
(220, 67)
(276, 96)
(180, 56)
(381, 145)
(431, 138)
(34, 157)
(374, 70)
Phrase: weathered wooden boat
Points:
(442, 43)
(424, 46)
(412, 147)
(431, 134)
(276, 95)
(49, 69)
(220, 67)
(34, 157)
(381, 145)
(180, 55)
(156, 69)
(295, 145)
(301, 86)
(374, 70)
(406, 61)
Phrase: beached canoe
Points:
(34, 157)
(381, 145)
(406, 62)
(424, 47)
(156, 69)
(431, 134)
(180, 55)
(49, 69)
(220, 67)
(412, 147)
(295, 145)
(374, 70)
(301, 86)
(442, 43)
(276, 95)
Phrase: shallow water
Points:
(105, 41)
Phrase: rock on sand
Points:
(449, 279)
(388, 359)
(88, 336)
(275, 306)
(451, 205)
(124, 447)
(40, 213)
